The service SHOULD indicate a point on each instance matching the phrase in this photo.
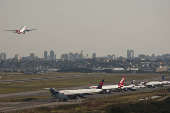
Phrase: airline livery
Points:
(22, 30)
(73, 94)
(108, 88)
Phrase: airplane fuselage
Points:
(22, 30)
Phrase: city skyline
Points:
(103, 27)
(80, 55)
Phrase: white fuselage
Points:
(22, 29)
(106, 87)
(153, 83)
(128, 86)
(166, 82)
(80, 91)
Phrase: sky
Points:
(95, 26)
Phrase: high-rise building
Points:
(64, 56)
(3, 56)
(130, 54)
(94, 55)
(32, 56)
(76, 56)
(153, 55)
(81, 55)
(87, 55)
(17, 57)
(45, 55)
(51, 55)
(70, 55)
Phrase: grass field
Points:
(69, 82)
(128, 103)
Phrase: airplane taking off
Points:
(108, 88)
(73, 94)
(22, 30)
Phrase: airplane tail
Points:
(133, 81)
(100, 85)
(52, 91)
(163, 78)
(18, 31)
(121, 81)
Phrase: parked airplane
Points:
(138, 87)
(128, 86)
(165, 82)
(22, 30)
(108, 88)
(155, 83)
(73, 94)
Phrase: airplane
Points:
(73, 94)
(22, 30)
(108, 88)
(126, 88)
(138, 87)
(165, 82)
(155, 83)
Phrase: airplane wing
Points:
(11, 30)
(30, 30)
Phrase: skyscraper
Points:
(81, 55)
(94, 55)
(76, 55)
(130, 54)
(51, 55)
(3, 56)
(17, 57)
(70, 55)
(32, 56)
(45, 55)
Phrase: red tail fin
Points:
(18, 31)
(121, 81)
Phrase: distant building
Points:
(64, 56)
(143, 56)
(52, 55)
(81, 55)
(3, 56)
(153, 55)
(110, 57)
(17, 57)
(94, 55)
(71, 55)
(32, 56)
(161, 69)
(130, 54)
(45, 55)
(76, 56)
